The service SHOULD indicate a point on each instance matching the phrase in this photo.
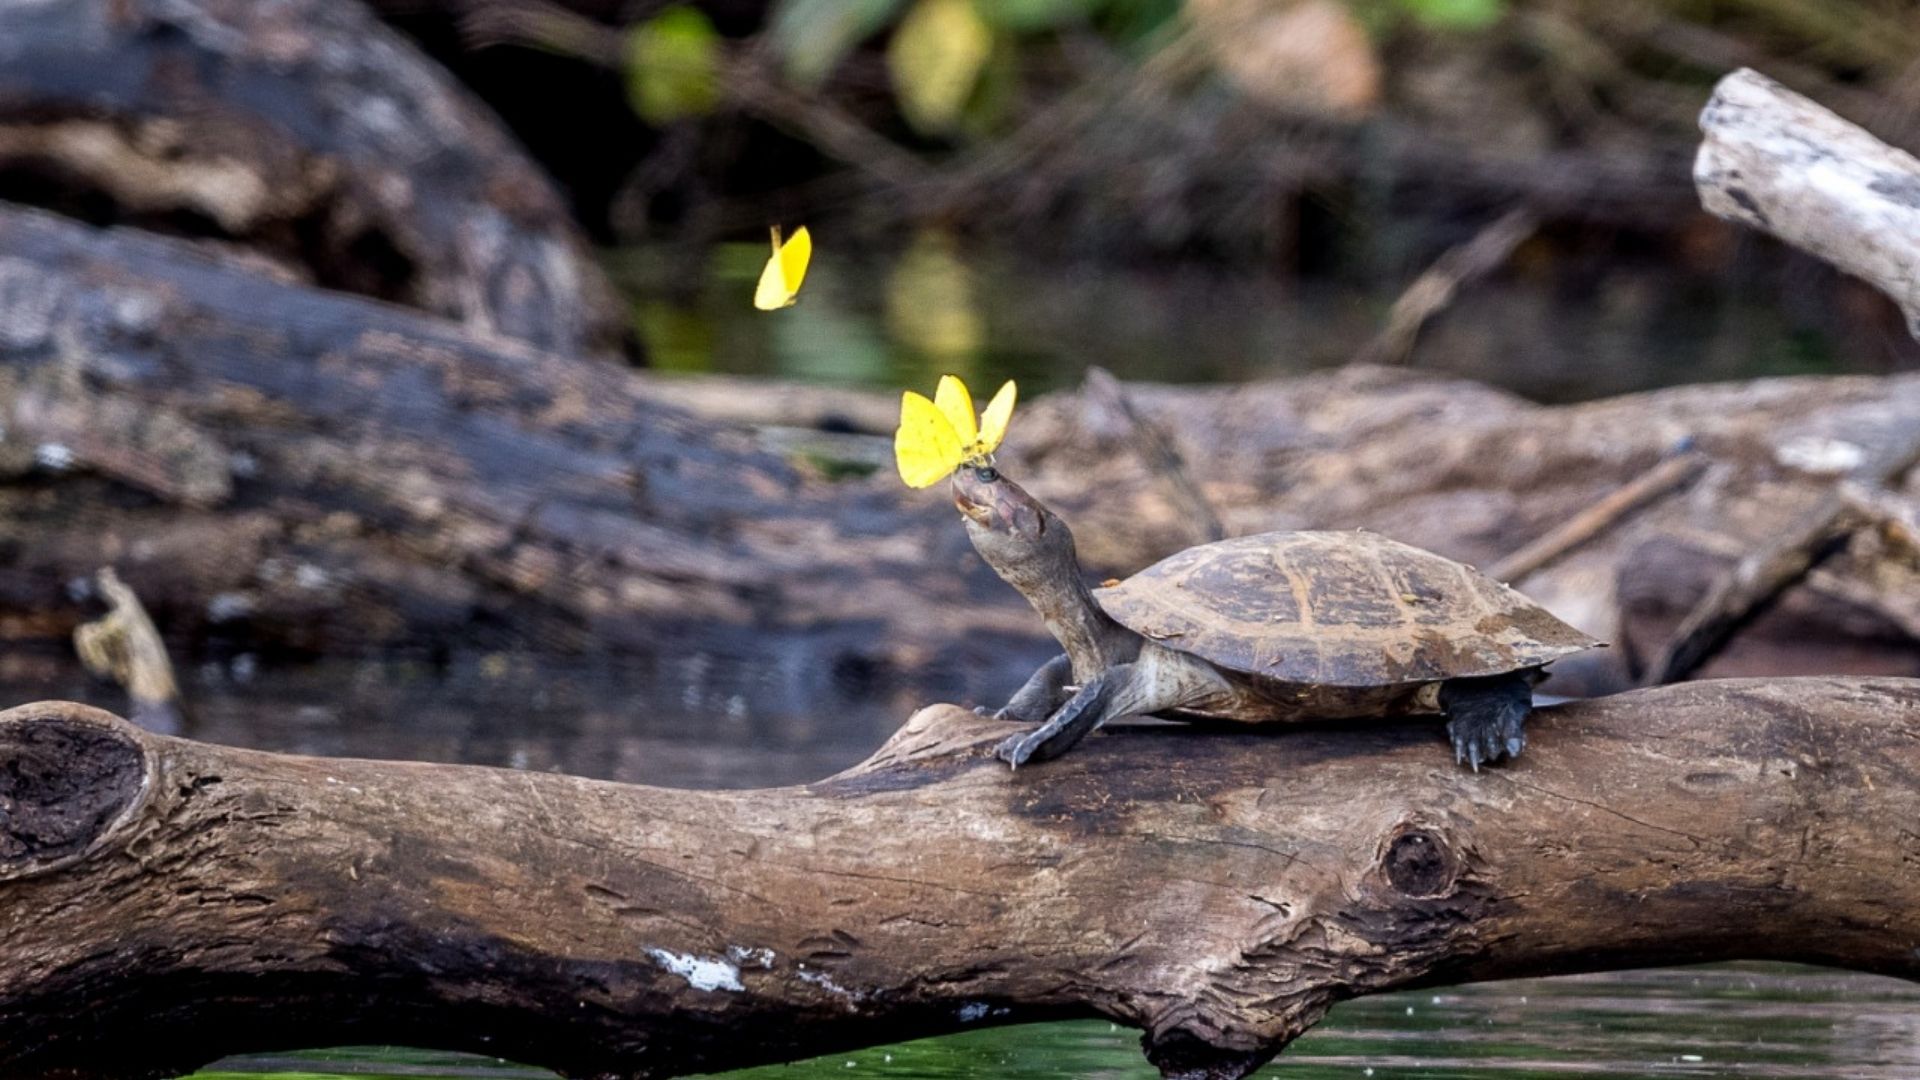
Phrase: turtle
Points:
(1279, 626)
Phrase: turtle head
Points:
(1032, 550)
(1017, 536)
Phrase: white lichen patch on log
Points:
(701, 973)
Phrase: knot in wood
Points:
(67, 775)
(1418, 863)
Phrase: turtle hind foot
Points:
(1486, 718)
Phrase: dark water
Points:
(1548, 328)
(1768, 1021)
(705, 719)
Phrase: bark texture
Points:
(306, 132)
(167, 902)
(1782, 164)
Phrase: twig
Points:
(1433, 291)
(1159, 455)
(1667, 476)
(123, 645)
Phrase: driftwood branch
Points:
(1780, 163)
(1219, 891)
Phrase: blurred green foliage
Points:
(935, 59)
(953, 64)
(813, 36)
(1455, 14)
(673, 64)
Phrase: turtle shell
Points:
(1350, 609)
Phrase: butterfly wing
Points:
(779, 279)
(926, 448)
(772, 293)
(993, 422)
(956, 404)
(794, 255)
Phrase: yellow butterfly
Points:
(786, 269)
(938, 436)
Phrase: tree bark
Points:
(168, 902)
(306, 132)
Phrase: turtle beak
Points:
(973, 497)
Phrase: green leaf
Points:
(672, 65)
(1031, 16)
(813, 36)
(1456, 14)
(935, 58)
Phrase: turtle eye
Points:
(986, 474)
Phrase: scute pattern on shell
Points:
(1337, 609)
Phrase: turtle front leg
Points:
(1107, 696)
(1159, 680)
(1044, 691)
(1486, 718)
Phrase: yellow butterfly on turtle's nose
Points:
(938, 436)
(786, 268)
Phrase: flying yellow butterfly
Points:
(938, 436)
(786, 268)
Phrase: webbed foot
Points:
(1486, 718)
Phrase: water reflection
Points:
(887, 320)
(1769, 1021)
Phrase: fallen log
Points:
(168, 902)
(306, 133)
(292, 471)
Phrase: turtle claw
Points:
(1016, 750)
(1477, 742)
(1486, 719)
